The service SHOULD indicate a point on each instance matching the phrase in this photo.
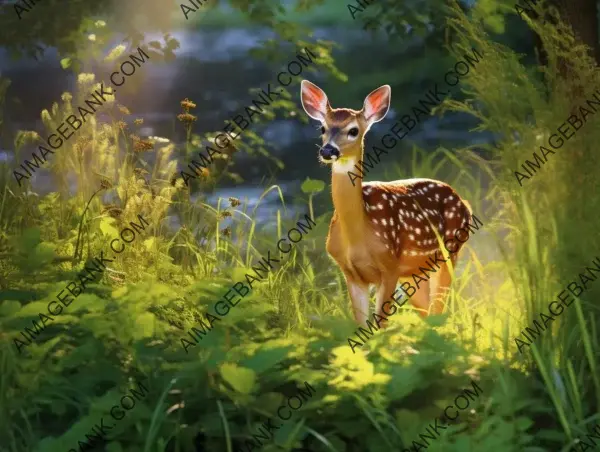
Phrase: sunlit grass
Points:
(533, 240)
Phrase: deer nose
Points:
(328, 152)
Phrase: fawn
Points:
(382, 231)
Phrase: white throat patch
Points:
(344, 165)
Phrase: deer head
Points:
(343, 129)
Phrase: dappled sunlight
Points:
(193, 249)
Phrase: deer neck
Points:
(348, 198)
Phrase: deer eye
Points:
(322, 130)
(353, 131)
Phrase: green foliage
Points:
(294, 325)
(312, 186)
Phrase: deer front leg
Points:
(440, 286)
(359, 295)
(384, 292)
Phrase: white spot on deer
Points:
(385, 235)
(391, 203)
(394, 234)
(367, 191)
(391, 221)
(387, 246)
(413, 253)
(384, 221)
(451, 215)
(427, 228)
(403, 203)
(395, 197)
(380, 206)
(437, 196)
(418, 230)
(377, 234)
(431, 185)
(375, 221)
(410, 236)
(384, 196)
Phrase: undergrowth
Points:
(293, 326)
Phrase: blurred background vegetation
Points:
(293, 327)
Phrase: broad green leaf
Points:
(107, 228)
(240, 378)
(9, 307)
(265, 359)
(312, 185)
(65, 63)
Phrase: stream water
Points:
(214, 70)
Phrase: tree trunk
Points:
(581, 15)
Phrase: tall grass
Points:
(550, 220)
(294, 325)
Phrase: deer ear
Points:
(377, 104)
(314, 100)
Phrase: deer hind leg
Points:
(359, 295)
(420, 298)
